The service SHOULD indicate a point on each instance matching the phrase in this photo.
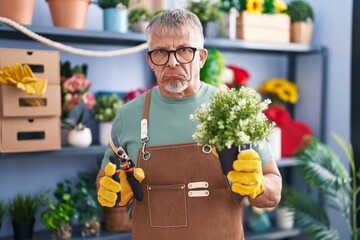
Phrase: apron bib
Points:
(186, 195)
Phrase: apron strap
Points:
(144, 138)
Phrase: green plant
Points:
(2, 209)
(60, 212)
(88, 208)
(300, 11)
(105, 107)
(112, 3)
(324, 171)
(213, 67)
(139, 14)
(206, 10)
(22, 208)
(234, 117)
(287, 196)
(226, 5)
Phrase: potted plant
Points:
(87, 207)
(302, 18)
(218, 122)
(207, 11)
(285, 212)
(22, 209)
(104, 112)
(325, 172)
(58, 214)
(70, 13)
(20, 11)
(115, 14)
(213, 67)
(139, 18)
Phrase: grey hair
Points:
(174, 21)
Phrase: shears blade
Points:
(118, 150)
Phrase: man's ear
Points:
(149, 60)
(203, 56)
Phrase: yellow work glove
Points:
(23, 78)
(107, 194)
(247, 177)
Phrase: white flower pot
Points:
(80, 137)
(284, 217)
(274, 140)
(104, 130)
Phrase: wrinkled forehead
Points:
(189, 35)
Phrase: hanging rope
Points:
(66, 48)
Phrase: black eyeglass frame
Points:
(173, 51)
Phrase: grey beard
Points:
(175, 86)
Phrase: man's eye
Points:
(160, 51)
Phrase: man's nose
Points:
(172, 59)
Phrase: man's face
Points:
(174, 79)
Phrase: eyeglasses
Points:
(183, 55)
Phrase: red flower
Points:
(241, 76)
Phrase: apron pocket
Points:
(167, 205)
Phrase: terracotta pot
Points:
(69, 13)
(20, 11)
(301, 32)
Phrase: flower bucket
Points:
(104, 130)
(115, 19)
(69, 13)
(227, 156)
(20, 11)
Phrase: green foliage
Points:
(2, 209)
(234, 117)
(112, 3)
(287, 196)
(324, 171)
(22, 208)
(87, 206)
(226, 5)
(300, 11)
(213, 67)
(67, 71)
(60, 212)
(105, 107)
(206, 10)
(139, 14)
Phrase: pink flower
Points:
(89, 100)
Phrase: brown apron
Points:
(186, 195)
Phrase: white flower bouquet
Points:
(233, 118)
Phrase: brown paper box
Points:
(44, 64)
(271, 28)
(16, 103)
(29, 134)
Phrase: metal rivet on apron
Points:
(146, 155)
(149, 188)
(207, 149)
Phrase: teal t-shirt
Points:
(168, 122)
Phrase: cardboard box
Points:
(271, 28)
(44, 64)
(16, 103)
(29, 134)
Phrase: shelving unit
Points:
(133, 39)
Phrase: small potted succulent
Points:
(22, 210)
(115, 15)
(104, 112)
(58, 214)
(302, 18)
(139, 18)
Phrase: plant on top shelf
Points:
(22, 210)
(206, 10)
(300, 11)
(58, 215)
(75, 95)
(112, 3)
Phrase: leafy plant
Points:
(87, 207)
(60, 212)
(213, 67)
(287, 196)
(300, 11)
(22, 208)
(226, 5)
(206, 10)
(139, 14)
(324, 171)
(105, 107)
(112, 3)
(234, 117)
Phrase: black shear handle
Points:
(116, 177)
(135, 186)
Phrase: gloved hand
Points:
(107, 194)
(23, 78)
(247, 177)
